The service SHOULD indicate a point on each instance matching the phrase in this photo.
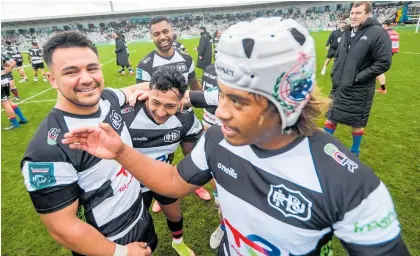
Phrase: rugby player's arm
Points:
(195, 84)
(159, 176)
(144, 86)
(71, 232)
(187, 147)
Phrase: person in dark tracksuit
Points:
(122, 54)
(204, 49)
(332, 44)
(364, 52)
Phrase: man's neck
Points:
(276, 141)
(76, 110)
(169, 53)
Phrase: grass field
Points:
(391, 147)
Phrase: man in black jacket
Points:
(363, 53)
(204, 49)
(122, 54)
(332, 44)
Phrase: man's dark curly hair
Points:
(68, 39)
(168, 77)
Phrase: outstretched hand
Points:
(102, 142)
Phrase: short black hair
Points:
(8, 42)
(68, 39)
(34, 43)
(167, 77)
(157, 19)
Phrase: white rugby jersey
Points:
(158, 141)
(183, 63)
(291, 201)
(56, 176)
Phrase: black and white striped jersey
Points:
(183, 63)
(36, 55)
(14, 53)
(210, 84)
(158, 141)
(291, 201)
(56, 176)
(178, 46)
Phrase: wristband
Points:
(120, 250)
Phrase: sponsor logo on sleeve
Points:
(41, 175)
(340, 157)
(52, 136)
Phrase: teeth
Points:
(88, 90)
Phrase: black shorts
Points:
(143, 231)
(38, 66)
(331, 53)
(19, 63)
(163, 200)
(5, 93)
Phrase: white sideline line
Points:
(35, 101)
(410, 52)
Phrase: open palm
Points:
(102, 142)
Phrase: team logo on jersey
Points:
(127, 110)
(290, 202)
(340, 157)
(181, 67)
(52, 136)
(41, 175)
(147, 60)
(116, 120)
(171, 136)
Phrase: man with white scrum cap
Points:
(285, 187)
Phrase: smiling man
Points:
(285, 187)
(59, 179)
(166, 55)
(364, 52)
(157, 127)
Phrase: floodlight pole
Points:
(112, 7)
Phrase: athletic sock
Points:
(14, 122)
(177, 229)
(357, 139)
(330, 127)
(19, 113)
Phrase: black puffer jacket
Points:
(359, 62)
(204, 50)
(121, 51)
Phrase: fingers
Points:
(79, 147)
(148, 251)
(74, 140)
(143, 96)
(106, 127)
(79, 131)
(142, 244)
